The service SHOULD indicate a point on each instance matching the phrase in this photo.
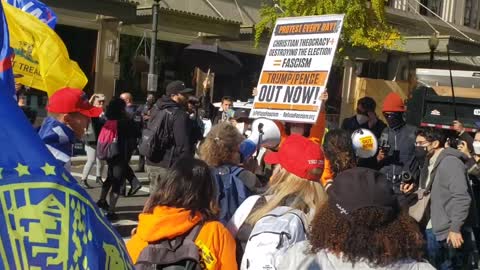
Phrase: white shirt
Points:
(299, 257)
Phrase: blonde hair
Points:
(287, 189)
(220, 144)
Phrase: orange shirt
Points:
(316, 135)
(215, 243)
(316, 132)
(327, 175)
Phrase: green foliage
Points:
(364, 25)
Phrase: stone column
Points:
(453, 11)
(459, 12)
(106, 57)
(347, 108)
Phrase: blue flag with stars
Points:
(37, 9)
(47, 221)
(6, 53)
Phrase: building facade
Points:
(231, 23)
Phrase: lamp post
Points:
(433, 44)
(152, 76)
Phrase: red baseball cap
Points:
(298, 155)
(70, 100)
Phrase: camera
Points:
(406, 177)
(453, 142)
(385, 147)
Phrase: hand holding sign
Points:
(207, 82)
(254, 92)
(296, 68)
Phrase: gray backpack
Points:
(272, 235)
(179, 253)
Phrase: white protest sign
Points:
(296, 68)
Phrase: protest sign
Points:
(296, 68)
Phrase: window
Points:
(433, 5)
(470, 16)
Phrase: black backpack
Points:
(157, 137)
(179, 253)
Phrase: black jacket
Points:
(127, 141)
(210, 112)
(93, 131)
(181, 131)
(351, 124)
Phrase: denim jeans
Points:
(155, 175)
(91, 158)
(444, 257)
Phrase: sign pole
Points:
(152, 76)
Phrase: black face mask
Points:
(420, 154)
(395, 119)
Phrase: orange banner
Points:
(317, 78)
(290, 107)
(308, 28)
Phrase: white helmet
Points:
(364, 143)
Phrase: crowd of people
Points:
(310, 202)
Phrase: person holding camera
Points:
(472, 164)
(397, 142)
(474, 155)
(443, 182)
(462, 135)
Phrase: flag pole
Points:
(451, 83)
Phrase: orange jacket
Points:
(318, 129)
(215, 242)
(327, 175)
(316, 132)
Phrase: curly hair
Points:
(369, 234)
(116, 109)
(338, 149)
(221, 144)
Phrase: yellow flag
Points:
(41, 58)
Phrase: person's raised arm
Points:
(318, 129)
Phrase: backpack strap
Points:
(193, 234)
(245, 229)
(235, 170)
(178, 241)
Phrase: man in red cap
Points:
(397, 142)
(69, 115)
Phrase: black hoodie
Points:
(182, 145)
